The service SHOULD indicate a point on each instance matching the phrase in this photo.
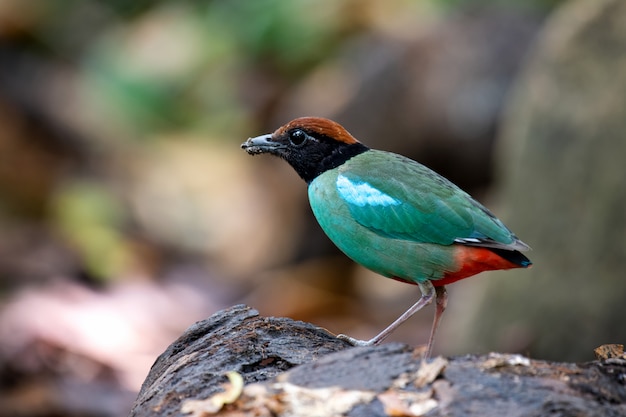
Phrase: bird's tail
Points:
(513, 256)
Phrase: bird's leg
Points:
(428, 293)
(441, 303)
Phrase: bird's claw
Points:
(353, 341)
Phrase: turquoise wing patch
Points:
(398, 198)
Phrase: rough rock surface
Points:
(288, 368)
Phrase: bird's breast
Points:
(331, 195)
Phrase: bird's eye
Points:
(297, 137)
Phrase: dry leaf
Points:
(407, 404)
(429, 371)
(211, 405)
(496, 360)
(610, 351)
(315, 402)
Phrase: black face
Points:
(308, 152)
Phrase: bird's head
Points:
(311, 145)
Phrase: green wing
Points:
(399, 198)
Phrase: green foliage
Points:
(181, 66)
(89, 219)
(537, 5)
(292, 35)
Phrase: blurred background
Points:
(128, 210)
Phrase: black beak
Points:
(261, 144)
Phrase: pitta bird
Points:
(391, 214)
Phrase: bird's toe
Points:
(353, 341)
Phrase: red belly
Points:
(473, 260)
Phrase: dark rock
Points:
(291, 368)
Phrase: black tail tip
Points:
(514, 256)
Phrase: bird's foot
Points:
(355, 342)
